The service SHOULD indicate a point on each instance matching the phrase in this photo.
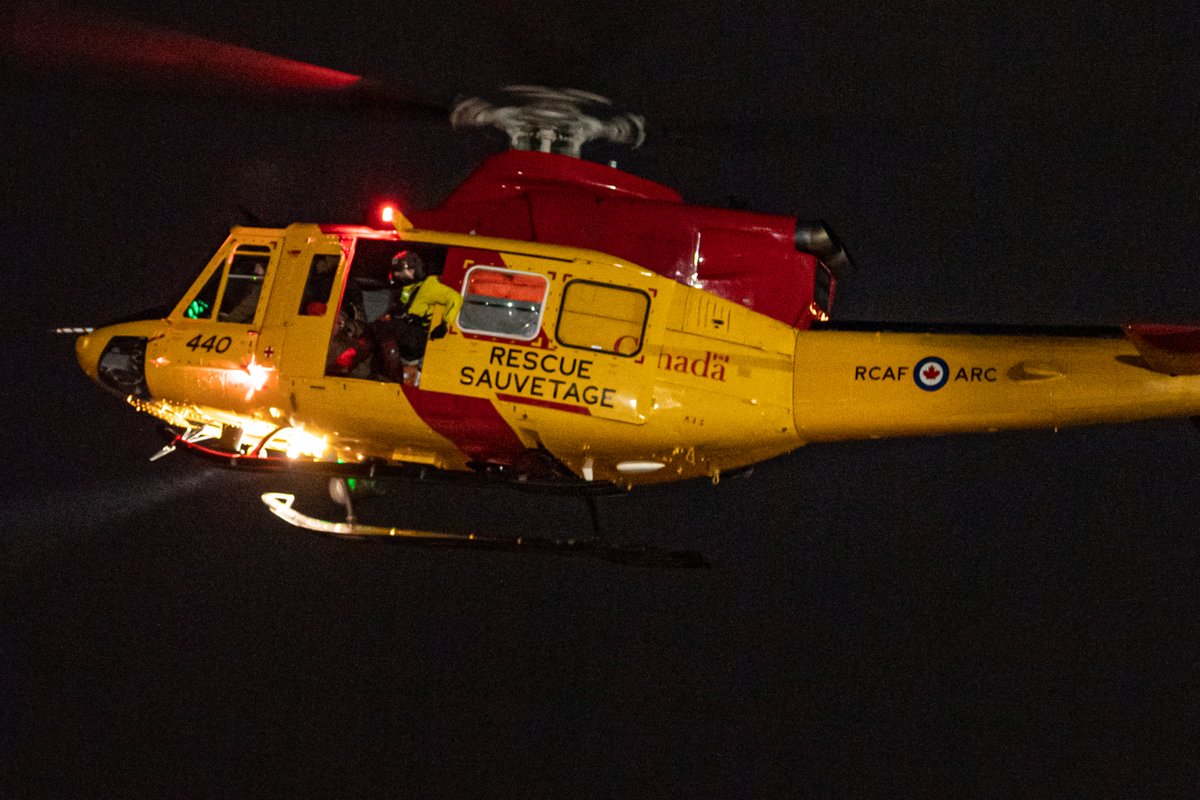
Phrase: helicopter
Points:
(608, 335)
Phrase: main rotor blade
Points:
(58, 38)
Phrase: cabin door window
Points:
(503, 302)
(602, 317)
(319, 285)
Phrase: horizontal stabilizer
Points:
(1172, 349)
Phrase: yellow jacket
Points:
(431, 292)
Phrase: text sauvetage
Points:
(546, 376)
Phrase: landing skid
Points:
(281, 505)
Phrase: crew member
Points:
(351, 345)
(401, 333)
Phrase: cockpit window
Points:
(244, 286)
(202, 304)
(502, 302)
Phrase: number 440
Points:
(212, 344)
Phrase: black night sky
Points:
(1005, 615)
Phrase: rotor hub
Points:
(551, 120)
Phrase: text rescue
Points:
(562, 378)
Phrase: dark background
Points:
(1003, 615)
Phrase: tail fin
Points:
(1171, 349)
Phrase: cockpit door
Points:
(304, 325)
(213, 335)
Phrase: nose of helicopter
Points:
(87, 352)
(115, 357)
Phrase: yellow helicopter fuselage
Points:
(612, 372)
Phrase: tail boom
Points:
(855, 385)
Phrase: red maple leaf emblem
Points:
(931, 373)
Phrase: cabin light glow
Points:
(258, 375)
(253, 376)
(302, 443)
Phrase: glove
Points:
(439, 331)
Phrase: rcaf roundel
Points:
(931, 373)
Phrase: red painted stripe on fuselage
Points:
(472, 423)
(530, 401)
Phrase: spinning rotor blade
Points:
(77, 40)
